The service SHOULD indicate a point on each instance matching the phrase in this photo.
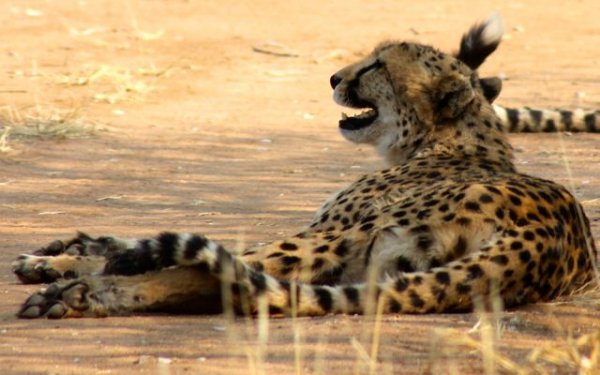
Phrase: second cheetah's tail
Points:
(531, 120)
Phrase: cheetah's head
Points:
(404, 89)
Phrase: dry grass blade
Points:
(489, 310)
(149, 35)
(275, 49)
(4, 132)
(361, 352)
(376, 343)
(296, 329)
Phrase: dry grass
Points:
(566, 354)
(577, 355)
(113, 84)
(43, 123)
(447, 343)
(571, 355)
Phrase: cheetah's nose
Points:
(334, 81)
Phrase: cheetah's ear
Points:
(450, 97)
(491, 87)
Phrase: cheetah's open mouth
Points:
(362, 120)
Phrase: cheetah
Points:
(450, 221)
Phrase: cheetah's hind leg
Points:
(190, 290)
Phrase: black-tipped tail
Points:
(481, 41)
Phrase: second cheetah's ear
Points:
(491, 87)
(450, 97)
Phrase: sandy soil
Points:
(205, 134)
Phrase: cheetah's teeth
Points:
(365, 114)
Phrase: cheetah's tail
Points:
(480, 41)
(530, 120)
(441, 289)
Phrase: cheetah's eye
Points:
(376, 65)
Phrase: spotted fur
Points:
(450, 221)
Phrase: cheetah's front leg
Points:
(182, 289)
(79, 256)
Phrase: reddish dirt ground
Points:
(211, 136)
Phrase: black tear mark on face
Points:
(353, 99)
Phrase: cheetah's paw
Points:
(33, 269)
(56, 302)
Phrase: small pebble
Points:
(164, 360)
